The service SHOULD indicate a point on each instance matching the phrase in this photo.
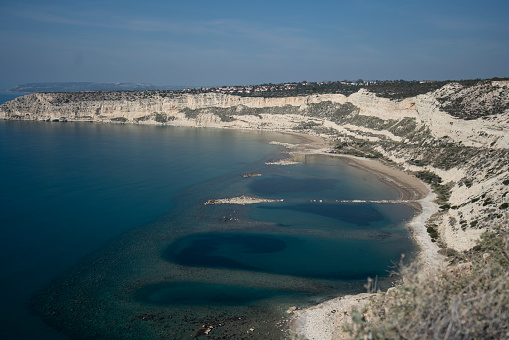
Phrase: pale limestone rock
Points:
(155, 107)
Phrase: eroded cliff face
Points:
(220, 110)
(466, 158)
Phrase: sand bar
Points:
(242, 200)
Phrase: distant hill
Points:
(88, 86)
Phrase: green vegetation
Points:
(162, 118)
(359, 148)
(429, 177)
(190, 114)
(374, 123)
(405, 89)
(338, 113)
(142, 119)
(226, 114)
(403, 127)
(468, 300)
(442, 190)
(307, 126)
(475, 99)
(433, 233)
(119, 119)
(394, 89)
(335, 112)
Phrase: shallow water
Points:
(69, 188)
(203, 294)
(232, 267)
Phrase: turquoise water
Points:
(106, 234)
(68, 189)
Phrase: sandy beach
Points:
(325, 320)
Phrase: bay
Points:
(67, 189)
(106, 235)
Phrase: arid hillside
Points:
(455, 137)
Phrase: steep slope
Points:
(456, 137)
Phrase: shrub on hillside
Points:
(464, 301)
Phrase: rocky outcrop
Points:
(465, 156)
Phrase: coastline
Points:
(329, 315)
(479, 176)
(326, 320)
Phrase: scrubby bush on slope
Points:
(469, 300)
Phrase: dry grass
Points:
(467, 300)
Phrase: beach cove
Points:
(406, 193)
(146, 302)
(327, 320)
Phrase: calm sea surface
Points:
(105, 234)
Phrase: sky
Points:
(222, 42)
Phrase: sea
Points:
(107, 234)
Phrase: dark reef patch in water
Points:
(213, 250)
(310, 257)
(204, 294)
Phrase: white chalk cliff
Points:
(468, 157)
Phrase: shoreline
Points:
(311, 322)
(325, 320)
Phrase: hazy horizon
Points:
(239, 43)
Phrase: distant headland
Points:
(87, 86)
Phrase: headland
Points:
(453, 138)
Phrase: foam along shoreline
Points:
(325, 320)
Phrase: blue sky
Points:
(212, 42)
